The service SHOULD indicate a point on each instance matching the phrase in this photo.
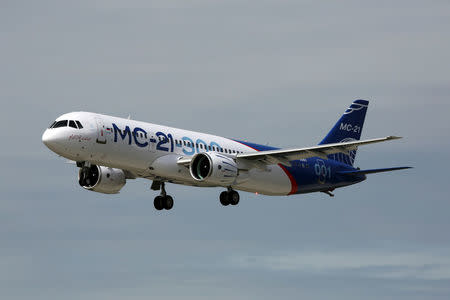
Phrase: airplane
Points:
(109, 150)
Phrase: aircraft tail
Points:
(348, 128)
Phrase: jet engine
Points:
(101, 179)
(213, 168)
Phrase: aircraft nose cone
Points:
(51, 140)
(46, 138)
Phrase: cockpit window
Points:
(60, 124)
(72, 124)
(65, 123)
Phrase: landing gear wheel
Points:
(163, 201)
(233, 197)
(158, 202)
(167, 202)
(82, 180)
(85, 174)
(224, 198)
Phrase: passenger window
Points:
(60, 124)
(72, 124)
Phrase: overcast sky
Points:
(276, 72)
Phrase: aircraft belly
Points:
(274, 181)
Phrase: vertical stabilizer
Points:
(348, 128)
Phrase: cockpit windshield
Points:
(64, 123)
(60, 124)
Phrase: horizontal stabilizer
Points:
(372, 171)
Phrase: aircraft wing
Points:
(283, 156)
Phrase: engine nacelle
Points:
(213, 168)
(102, 179)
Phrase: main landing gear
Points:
(229, 197)
(163, 201)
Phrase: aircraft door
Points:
(101, 131)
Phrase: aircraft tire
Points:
(158, 203)
(233, 197)
(224, 198)
(167, 202)
(82, 180)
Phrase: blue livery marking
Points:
(165, 141)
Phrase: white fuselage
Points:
(152, 151)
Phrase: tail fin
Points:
(348, 128)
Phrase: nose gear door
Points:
(101, 131)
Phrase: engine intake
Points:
(213, 168)
(101, 179)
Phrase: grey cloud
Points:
(367, 263)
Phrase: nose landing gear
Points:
(88, 174)
(163, 201)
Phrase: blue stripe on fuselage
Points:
(313, 174)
